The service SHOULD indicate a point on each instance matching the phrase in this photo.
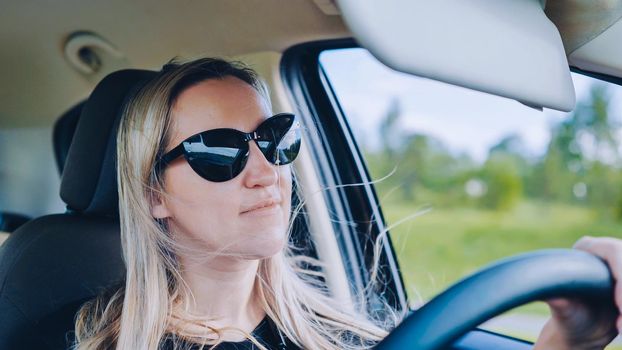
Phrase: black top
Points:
(266, 333)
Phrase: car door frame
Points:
(351, 197)
(358, 220)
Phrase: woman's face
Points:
(214, 217)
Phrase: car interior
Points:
(69, 66)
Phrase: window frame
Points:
(339, 162)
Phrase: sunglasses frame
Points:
(181, 150)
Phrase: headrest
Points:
(64, 128)
(89, 180)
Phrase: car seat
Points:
(64, 129)
(52, 264)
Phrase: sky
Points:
(464, 120)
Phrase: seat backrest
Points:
(52, 264)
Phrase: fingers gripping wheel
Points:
(500, 287)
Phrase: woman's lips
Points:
(263, 207)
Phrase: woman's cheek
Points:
(206, 217)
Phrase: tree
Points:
(503, 181)
(584, 150)
(592, 117)
(421, 162)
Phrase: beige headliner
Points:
(38, 84)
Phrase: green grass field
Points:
(443, 245)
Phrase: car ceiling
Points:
(39, 83)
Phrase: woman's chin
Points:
(265, 247)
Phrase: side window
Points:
(29, 180)
(465, 178)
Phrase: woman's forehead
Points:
(218, 103)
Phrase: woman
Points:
(205, 214)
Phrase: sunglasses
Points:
(219, 155)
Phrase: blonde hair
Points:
(142, 313)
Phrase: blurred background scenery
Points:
(500, 177)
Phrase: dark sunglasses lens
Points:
(217, 156)
(280, 139)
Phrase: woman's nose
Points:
(258, 171)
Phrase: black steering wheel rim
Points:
(500, 287)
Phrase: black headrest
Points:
(89, 181)
(64, 128)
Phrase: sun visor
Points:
(592, 33)
(503, 47)
(602, 54)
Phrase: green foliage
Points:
(583, 151)
(581, 165)
(504, 184)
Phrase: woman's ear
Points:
(159, 210)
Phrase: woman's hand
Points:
(578, 325)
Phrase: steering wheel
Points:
(497, 288)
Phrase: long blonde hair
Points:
(152, 303)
